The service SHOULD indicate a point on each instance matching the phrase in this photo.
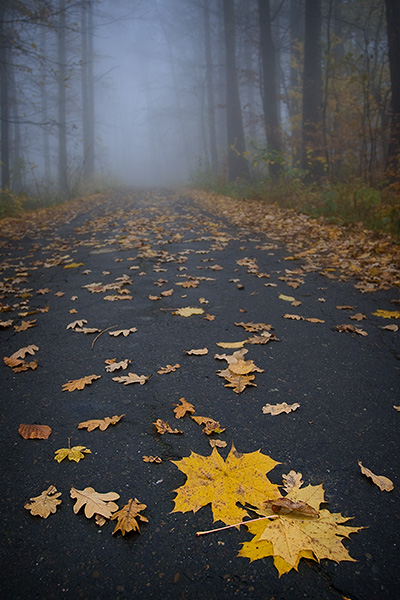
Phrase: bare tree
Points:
(393, 33)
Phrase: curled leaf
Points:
(383, 483)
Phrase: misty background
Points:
(98, 93)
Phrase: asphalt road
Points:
(346, 385)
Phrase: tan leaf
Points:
(181, 409)
(254, 327)
(293, 317)
(286, 506)
(59, 294)
(167, 293)
(128, 517)
(169, 369)
(45, 504)
(384, 483)
(94, 503)
(124, 332)
(396, 408)
(215, 443)
(151, 297)
(115, 366)
(79, 384)
(5, 324)
(25, 366)
(132, 378)
(347, 328)
(164, 427)
(210, 425)
(292, 481)
(392, 327)
(152, 459)
(198, 352)
(34, 432)
(114, 298)
(25, 325)
(102, 424)
(277, 409)
(358, 317)
(346, 307)
(209, 317)
(78, 323)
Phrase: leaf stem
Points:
(198, 533)
(99, 334)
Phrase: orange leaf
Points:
(34, 432)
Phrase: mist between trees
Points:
(296, 101)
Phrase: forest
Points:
(289, 101)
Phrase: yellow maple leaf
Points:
(128, 517)
(290, 537)
(188, 311)
(76, 453)
(223, 483)
(387, 314)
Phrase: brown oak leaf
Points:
(94, 502)
(164, 427)
(210, 425)
(131, 378)
(128, 517)
(45, 504)
(102, 424)
(79, 384)
(181, 409)
(169, 369)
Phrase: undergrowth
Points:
(340, 203)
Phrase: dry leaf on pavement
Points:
(102, 424)
(124, 332)
(34, 432)
(383, 483)
(347, 328)
(198, 352)
(25, 325)
(188, 311)
(94, 502)
(240, 478)
(152, 459)
(277, 409)
(182, 408)
(132, 378)
(22, 352)
(76, 453)
(217, 443)
(164, 427)
(112, 364)
(45, 504)
(128, 517)
(387, 314)
(169, 369)
(79, 384)
(210, 425)
(292, 480)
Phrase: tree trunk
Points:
(238, 167)
(62, 110)
(312, 92)
(88, 124)
(210, 89)
(393, 33)
(270, 93)
(4, 104)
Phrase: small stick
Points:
(99, 334)
(198, 533)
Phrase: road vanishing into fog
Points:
(94, 283)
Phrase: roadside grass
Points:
(376, 208)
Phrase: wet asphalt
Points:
(346, 385)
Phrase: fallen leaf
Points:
(358, 317)
(292, 480)
(94, 502)
(114, 298)
(286, 506)
(254, 327)
(199, 352)
(76, 453)
(210, 425)
(217, 443)
(124, 332)
(78, 323)
(286, 298)
(102, 424)
(169, 369)
(383, 483)
(151, 297)
(277, 409)
(231, 344)
(73, 265)
(209, 317)
(392, 327)
(210, 479)
(5, 324)
(45, 504)
(128, 517)
(346, 307)
(347, 328)
(387, 314)
(183, 408)
(25, 325)
(164, 427)
(34, 432)
(132, 378)
(188, 311)
(112, 365)
(152, 459)
(79, 384)
(167, 293)
(291, 537)
(396, 408)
